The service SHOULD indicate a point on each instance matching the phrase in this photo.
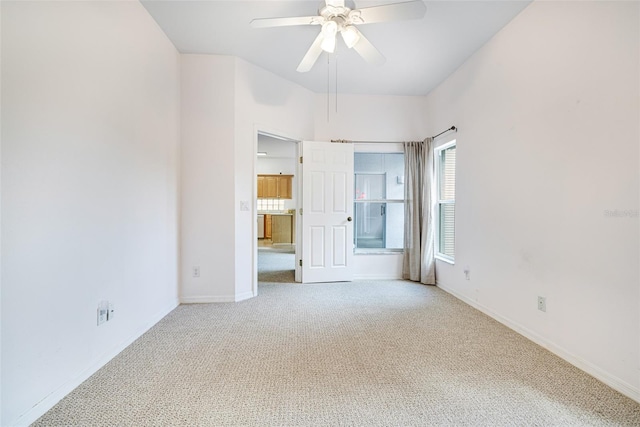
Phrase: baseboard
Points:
(596, 372)
(376, 277)
(244, 295)
(207, 299)
(40, 408)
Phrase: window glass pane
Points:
(394, 237)
(368, 162)
(369, 226)
(448, 174)
(274, 205)
(394, 168)
(370, 187)
(380, 223)
(447, 229)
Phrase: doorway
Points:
(276, 208)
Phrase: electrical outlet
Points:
(103, 310)
(542, 304)
(196, 271)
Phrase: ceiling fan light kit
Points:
(329, 30)
(335, 17)
(350, 35)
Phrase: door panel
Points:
(317, 192)
(327, 201)
(340, 192)
(316, 246)
(340, 247)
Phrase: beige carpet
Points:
(358, 354)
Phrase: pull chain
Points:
(336, 83)
(328, 87)
(329, 84)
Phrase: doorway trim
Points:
(259, 129)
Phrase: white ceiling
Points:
(420, 53)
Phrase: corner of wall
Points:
(543, 128)
(612, 381)
(208, 177)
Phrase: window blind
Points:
(447, 196)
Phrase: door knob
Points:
(349, 219)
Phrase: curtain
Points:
(418, 262)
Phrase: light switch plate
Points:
(244, 205)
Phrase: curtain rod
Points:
(452, 128)
(346, 141)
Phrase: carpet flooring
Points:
(390, 353)
(276, 265)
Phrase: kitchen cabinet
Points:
(284, 186)
(275, 186)
(270, 187)
(260, 187)
(282, 228)
(267, 226)
(260, 226)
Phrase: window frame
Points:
(439, 201)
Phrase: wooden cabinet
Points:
(279, 228)
(270, 187)
(274, 186)
(260, 187)
(282, 230)
(284, 186)
(267, 226)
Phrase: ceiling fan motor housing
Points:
(341, 15)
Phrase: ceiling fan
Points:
(334, 17)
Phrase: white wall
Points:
(208, 174)
(548, 118)
(225, 101)
(269, 103)
(90, 132)
(278, 165)
(372, 118)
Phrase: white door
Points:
(327, 212)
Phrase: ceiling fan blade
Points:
(285, 22)
(392, 12)
(368, 51)
(311, 56)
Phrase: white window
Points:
(379, 202)
(446, 201)
(270, 205)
